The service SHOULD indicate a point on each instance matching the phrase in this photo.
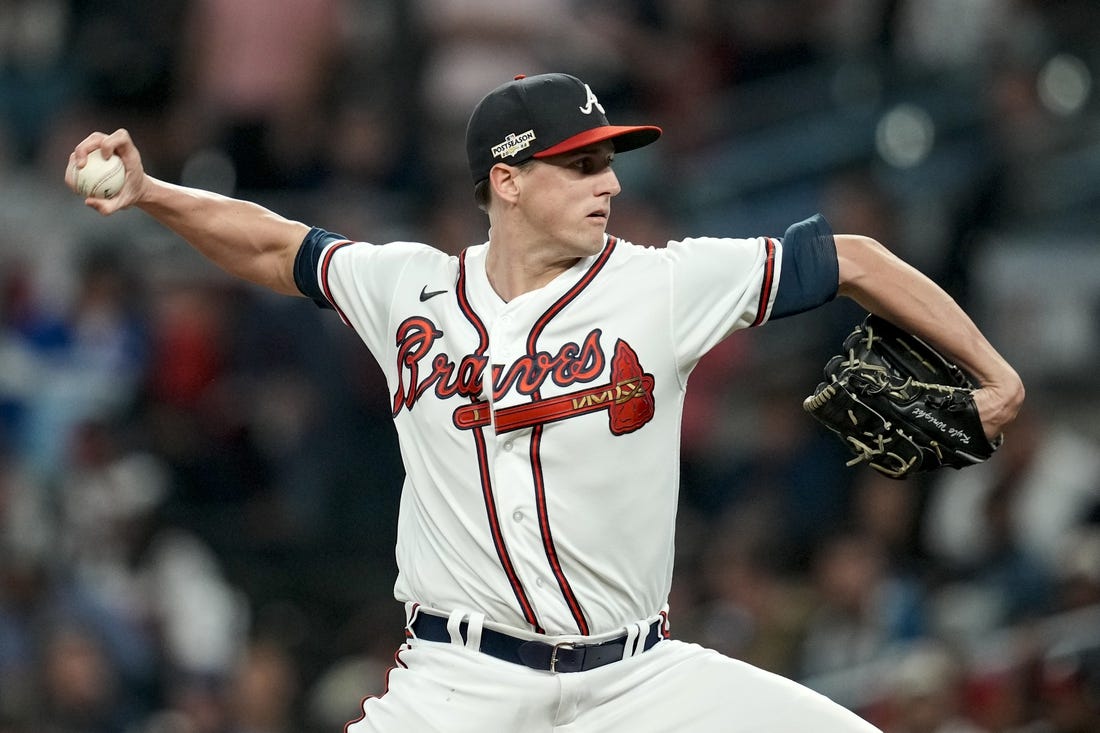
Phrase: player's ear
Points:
(503, 179)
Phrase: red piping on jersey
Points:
(467, 310)
(325, 262)
(566, 299)
(483, 461)
(536, 442)
(766, 286)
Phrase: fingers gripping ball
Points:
(100, 177)
(898, 404)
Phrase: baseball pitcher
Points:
(536, 382)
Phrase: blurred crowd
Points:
(199, 481)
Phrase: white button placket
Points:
(511, 469)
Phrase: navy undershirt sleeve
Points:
(305, 264)
(809, 272)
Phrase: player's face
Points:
(570, 198)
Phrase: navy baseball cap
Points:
(539, 116)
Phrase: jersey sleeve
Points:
(719, 286)
(307, 262)
(357, 279)
(809, 272)
(723, 285)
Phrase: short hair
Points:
(483, 191)
(482, 194)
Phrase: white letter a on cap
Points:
(591, 102)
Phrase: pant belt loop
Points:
(632, 633)
(473, 631)
(454, 626)
(412, 610)
(642, 633)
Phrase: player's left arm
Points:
(884, 284)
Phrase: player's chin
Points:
(592, 244)
(595, 230)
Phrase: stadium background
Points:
(198, 480)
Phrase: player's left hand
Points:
(996, 410)
(900, 406)
(117, 143)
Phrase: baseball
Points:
(100, 178)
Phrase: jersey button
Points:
(508, 446)
(517, 515)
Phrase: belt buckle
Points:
(554, 653)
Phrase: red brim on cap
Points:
(625, 137)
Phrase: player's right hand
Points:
(117, 143)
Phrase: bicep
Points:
(886, 285)
(279, 260)
(867, 272)
(274, 266)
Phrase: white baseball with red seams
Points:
(100, 177)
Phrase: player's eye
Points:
(589, 164)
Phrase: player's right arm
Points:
(243, 238)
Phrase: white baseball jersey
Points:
(540, 437)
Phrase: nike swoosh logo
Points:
(426, 294)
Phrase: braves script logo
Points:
(628, 397)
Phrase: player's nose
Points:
(608, 183)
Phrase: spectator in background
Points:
(374, 119)
(36, 83)
(888, 512)
(161, 578)
(264, 690)
(197, 415)
(122, 53)
(750, 608)
(65, 656)
(81, 688)
(84, 362)
(19, 317)
(468, 46)
(1078, 575)
(1000, 527)
(862, 609)
(1070, 691)
(255, 77)
(927, 692)
(27, 527)
(192, 706)
(942, 35)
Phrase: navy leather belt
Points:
(560, 657)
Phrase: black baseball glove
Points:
(898, 404)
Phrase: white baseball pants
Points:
(676, 687)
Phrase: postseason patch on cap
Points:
(512, 144)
